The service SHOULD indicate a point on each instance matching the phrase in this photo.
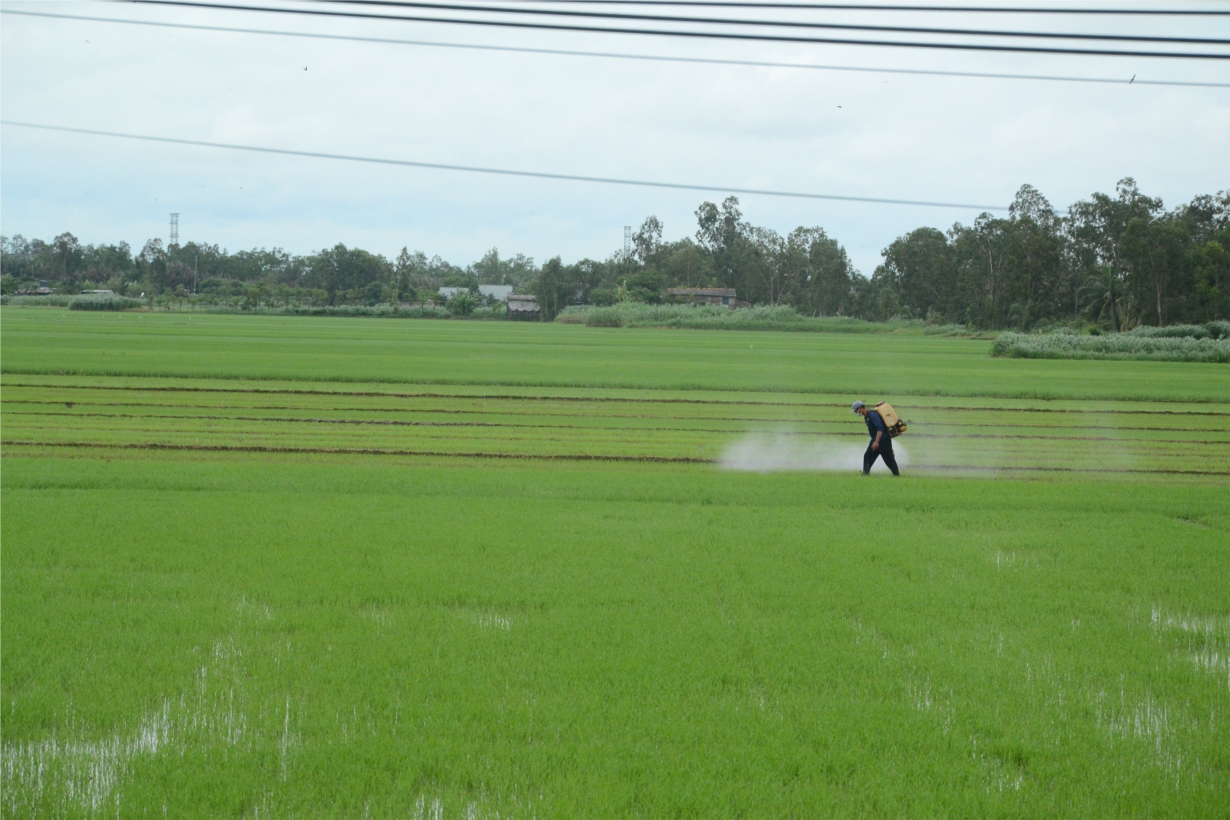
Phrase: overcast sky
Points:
(909, 137)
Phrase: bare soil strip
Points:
(628, 399)
(222, 448)
(540, 414)
(604, 427)
(357, 451)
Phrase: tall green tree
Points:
(820, 280)
(647, 242)
(1157, 255)
(684, 264)
(1095, 228)
(980, 254)
(345, 274)
(553, 288)
(722, 234)
(1211, 278)
(68, 254)
(1037, 282)
(921, 269)
(492, 269)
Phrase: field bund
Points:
(288, 566)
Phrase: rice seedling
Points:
(541, 355)
(449, 569)
(298, 636)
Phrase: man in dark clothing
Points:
(881, 442)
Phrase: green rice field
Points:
(322, 567)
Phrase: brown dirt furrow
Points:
(960, 468)
(541, 414)
(600, 427)
(222, 448)
(225, 448)
(621, 399)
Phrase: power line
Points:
(859, 7)
(501, 171)
(625, 56)
(727, 21)
(709, 35)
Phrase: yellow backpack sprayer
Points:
(891, 420)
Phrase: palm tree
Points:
(1104, 294)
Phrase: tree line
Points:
(1116, 261)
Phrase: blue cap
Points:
(858, 405)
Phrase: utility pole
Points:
(174, 231)
(195, 259)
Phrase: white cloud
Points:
(947, 139)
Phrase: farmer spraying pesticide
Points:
(882, 425)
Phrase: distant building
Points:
(706, 296)
(523, 307)
(42, 290)
(498, 292)
(98, 292)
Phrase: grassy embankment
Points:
(255, 622)
(762, 317)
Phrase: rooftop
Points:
(730, 292)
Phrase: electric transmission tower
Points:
(174, 230)
(627, 240)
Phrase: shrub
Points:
(496, 311)
(375, 311)
(105, 303)
(946, 330)
(603, 297)
(716, 317)
(1212, 330)
(54, 300)
(1112, 346)
(609, 316)
(1172, 332)
(462, 303)
(1219, 329)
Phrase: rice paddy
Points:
(303, 567)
